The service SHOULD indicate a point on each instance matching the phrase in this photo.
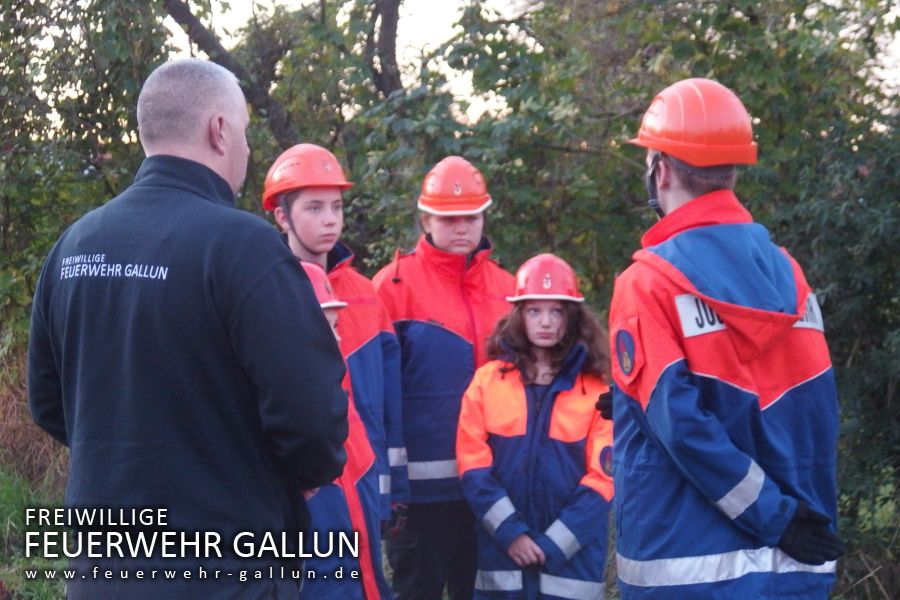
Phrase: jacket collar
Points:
(174, 172)
(450, 264)
(339, 257)
(716, 208)
(571, 367)
(568, 371)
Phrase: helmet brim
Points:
(457, 209)
(333, 304)
(564, 297)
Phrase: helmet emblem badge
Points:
(547, 283)
(457, 189)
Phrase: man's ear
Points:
(664, 175)
(217, 133)
(425, 222)
(280, 217)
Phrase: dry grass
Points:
(868, 577)
(24, 448)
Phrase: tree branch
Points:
(257, 96)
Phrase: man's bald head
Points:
(195, 109)
(177, 99)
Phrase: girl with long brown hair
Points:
(534, 454)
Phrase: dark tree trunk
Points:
(386, 74)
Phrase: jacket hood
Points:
(711, 249)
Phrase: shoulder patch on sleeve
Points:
(629, 355)
(625, 351)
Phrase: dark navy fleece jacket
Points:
(178, 350)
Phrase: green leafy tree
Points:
(566, 84)
(70, 80)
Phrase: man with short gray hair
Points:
(187, 108)
(164, 353)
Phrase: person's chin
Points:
(325, 246)
(455, 250)
(462, 248)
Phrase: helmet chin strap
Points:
(286, 208)
(650, 182)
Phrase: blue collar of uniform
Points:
(568, 371)
(508, 353)
(715, 208)
(567, 377)
(571, 367)
(340, 255)
(162, 170)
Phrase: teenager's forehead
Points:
(321, 194)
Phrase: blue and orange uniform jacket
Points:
(372, 352)
(443, 307)
(538, 464)
(725, 410)
(351, 506)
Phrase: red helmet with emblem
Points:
(701, 122)
(546, 277)
(302, 166)
(454, 187)
(321, 286)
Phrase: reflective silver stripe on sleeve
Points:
(498, 581)
(711, 567)
(745, 493)
(384, 484)
(497, 513)
(432, 469)
(563, 537)
(397, 457)
(576, 589)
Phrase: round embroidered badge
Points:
(606, 463)
(625, 351)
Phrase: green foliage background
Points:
(569, 81)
